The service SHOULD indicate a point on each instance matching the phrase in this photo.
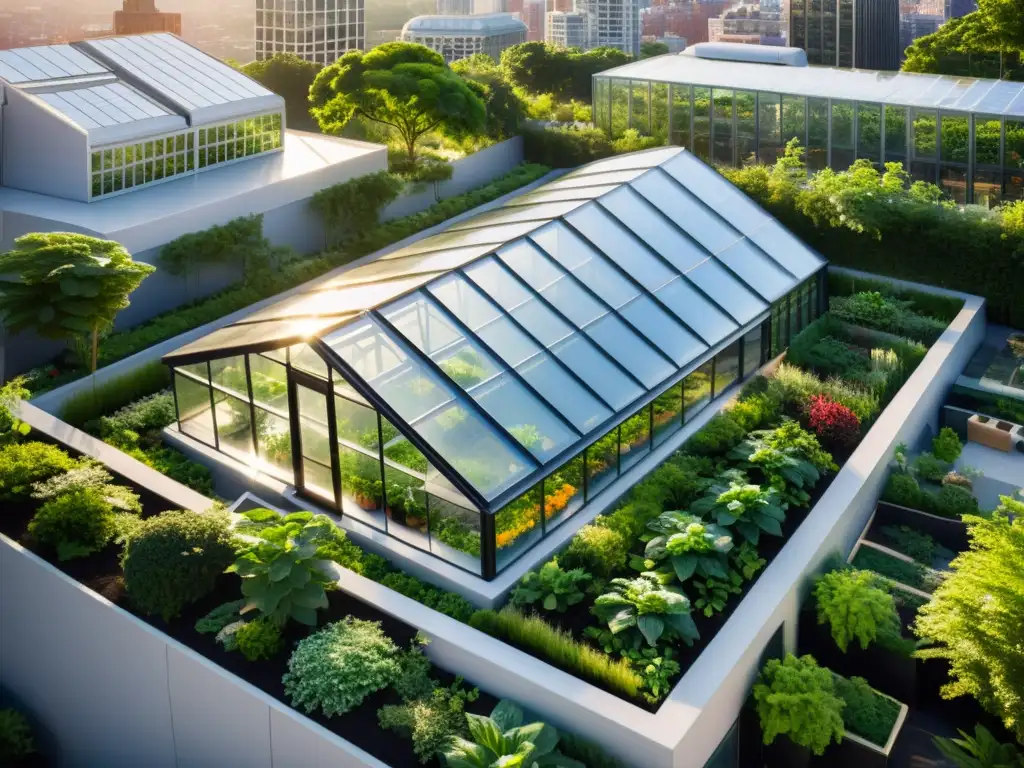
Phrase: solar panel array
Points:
(46, 62)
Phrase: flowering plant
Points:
(835, 425)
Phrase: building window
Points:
(116, 169)
(243, 138)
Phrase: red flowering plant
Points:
(836, 426)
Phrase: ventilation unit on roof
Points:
(752, 54)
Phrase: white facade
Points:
(567, 30)
(454, 7)
(613, 24)
(315, 30)
(456, 37)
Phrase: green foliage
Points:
(533, 634)
(789, 456)
(75, 524)
(797, 698)
(11, 427)
(259, 639)
(290, 77)
(88, 476)
(632, 141)
(353, 207)
(911, 542)
(641, 609)
(335, 669)
(855, 607)
(912, 574)
(688, 546)
(220, 617)
(566, 147)
(24, 464)
(503, 105)
(984, 43)
(117, 392)
(955, 501)
(554, 588)
(903, 489)
(66, 286)
(794, 387)
(404, 86)
(930, 467)
(425, 168)
(674, 485)
(872, 309)
(982, 750)
(946, 445)
(597, 550)
(938, 306)
(976, 617)
(749, 508)
(566, 73)
(868, 713)
(174, 559)
(16, 742)
(502, 740)
(650, 49)
(240, 241)
(448, 603)
(279, 575)
(432, 721)
(820, 347)
(719, 435)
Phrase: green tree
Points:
(291, 78)
(401, 85)
(564, 72)
(67, 286)
(984, 43)
(505, 109)
(649, 49)
(976, 617)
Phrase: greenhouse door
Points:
(313, 439)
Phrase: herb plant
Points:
(75, 524)
(432, 721)
(646, 611)
(748, 508)
(688, 546)
(259, 639)
(797, 698)
(855, 607)
(868, 713)
(554, 588)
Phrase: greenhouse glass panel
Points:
(303, 358)
(269, 382)
(779, 243)
(644, 314)
(602, 96)
(746, 127)
(769, 131)
(653, 229)
(688, 213)
(726, 291)
(794, 119)
(955, 139)
(356, 424)
(634, 354)
(842, 135)
(668, 414)
(586, 264)
(640, 107)
(725, 200)
(727, 367)
(635, 438)
(722, 126)
(454, 533)
(620, 107)
(680, 115)
(869, 132)
(697, 390)
(696, 310)
(988, 188)
(758, 271)
(194, 409)
(563, 493)
(197, 370)
(406, 507)
(1014, 148)
(607, 380)
(659, 111)
(751, 351)
(702, 122)
(362, 493)
(602, 463)
(274, 444)
(817, 134)
(895, 134)
(986, 141)
(234, 425)
(552, 283)
(924, 134)
(229, 373)
(518, 526)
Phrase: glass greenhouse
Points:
(964, 134)
(470, 392)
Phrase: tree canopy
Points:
(290, 77)
(565, 72)
(401, 85)
(985, 43)
(649, 49)
(66, 286)
(504, 108)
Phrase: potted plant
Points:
(800, 713)
(871, 722)
(366, 492)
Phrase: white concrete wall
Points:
(109, 690)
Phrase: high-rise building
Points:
(567, 30)
(862, 34)
(612, 24)
(456, 37)
(315, 30)
(957, 8)
(757, 23)
(919, 18)
(137, 17)
(682, 19)
(454, 7)
(533, 15)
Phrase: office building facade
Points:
(612, 24)
(454, 7)
(137, 17)
(567, 30)
(456, 37)
(862, 34)
(315, 30)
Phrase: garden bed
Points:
(891, 565)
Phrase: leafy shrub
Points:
(982, 750)
(855, 607)
(220, 617)
(790, 457)
(641, 609)
(912, 574)
(873, 310)
(936, 305)
(432, 722)
(797, 698)
(835, 425)
(903, 489)
(553, 587)
(259, 639)
(911, 542)
(90, 404)
(16, 741)
(869, 714)
(794, 387)
(946, 445)
(502, 739)
(24, 464)
(930, 467)
(721, 433)
(148, 413)
(955, 501)
(448, 603)
(631, 519)
(174, 559)
(749, 508)
(976, 617)
(673, 485)
(88, 476)
(559, 647)
(756, 410)
(632, 141)
(687, 546)
(565, 147)
(75, 524)
(827, 356)
(596, 549)
(334, 669)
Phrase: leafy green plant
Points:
(797, 698)
(982, 750)
(868, 713)
(946, 445)
(912, 574)
(955, 501)
(747, 561)
(855, 607)
(790, 457)
(559, 647)
(911, 542)
(24, 464)
(279, 575)
(432, 721)
(597, 550)
(335, 669)
(721, 433)
(930, 467)
(174, 559)
(556, 589)
(259, 639)
(502, 740)
(976, 617)
(16, 742)
(688, 545)
(748, 508)
(448, 603)
(12, 428)
(712, 595)
(75, 524)
(904, 490)
(645, 610)
(220, 617)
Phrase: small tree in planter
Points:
(855, 607)
(796, 698)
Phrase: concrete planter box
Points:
(948, 532)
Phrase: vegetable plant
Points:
(748, 508)
(712, 595)
(646, 610)
(502, 741)
(259, 639)
(556, 589)
(279, 575)
(855, 607)
(790, 457)
(796, 698)
(688, 545)
(431, 721)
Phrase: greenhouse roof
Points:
(964, 94)
(542, 322)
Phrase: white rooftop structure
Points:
(457, 37)
(489, 24)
